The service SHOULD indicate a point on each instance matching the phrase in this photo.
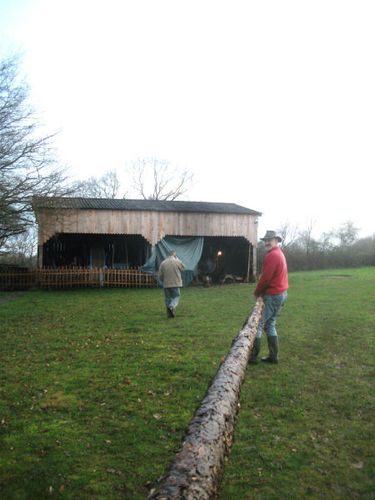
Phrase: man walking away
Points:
(272, 286)
(170, 275)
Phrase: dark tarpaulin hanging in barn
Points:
(188, 250)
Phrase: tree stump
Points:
(198, 466)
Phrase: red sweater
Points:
(274, 277)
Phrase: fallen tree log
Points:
(198, 466)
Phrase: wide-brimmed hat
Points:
(270, 235)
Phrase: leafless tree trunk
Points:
(306, 238)
(198, 466)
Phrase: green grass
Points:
(97, 388)
(306, 426)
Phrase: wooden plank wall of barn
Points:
(152, 225)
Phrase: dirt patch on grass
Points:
(8, 296)
(336, 276)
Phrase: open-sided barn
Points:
(113, 233)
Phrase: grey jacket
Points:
(170, 272)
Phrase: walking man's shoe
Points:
(170, 312)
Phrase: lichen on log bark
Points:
(198, 466)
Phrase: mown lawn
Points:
(97, 388)
(306, 427)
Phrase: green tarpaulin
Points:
(188, 250)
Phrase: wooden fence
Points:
(17, 280)
(64, 278)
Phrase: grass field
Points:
(97, 388)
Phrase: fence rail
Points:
(75, 278)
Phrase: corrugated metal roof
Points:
(144, 205)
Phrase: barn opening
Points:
(222, 259)
(116, 251)
(225, 258)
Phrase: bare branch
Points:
(288, 233)
(157, 179)
(27, 165)
(106, 186)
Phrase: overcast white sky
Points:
(271, 104)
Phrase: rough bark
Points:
(198, 466)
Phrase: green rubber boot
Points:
(255, 352)
(273, 347)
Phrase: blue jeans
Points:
(172, 297)
(272, 307)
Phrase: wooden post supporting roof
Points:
(249, 259)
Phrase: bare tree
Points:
(27, 165)
(156, 179)
(347, 234)
(306, 240)
(106, 186)
(288, 233)
(20, 249)
(325, 242)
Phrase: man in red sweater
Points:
(272, 286)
